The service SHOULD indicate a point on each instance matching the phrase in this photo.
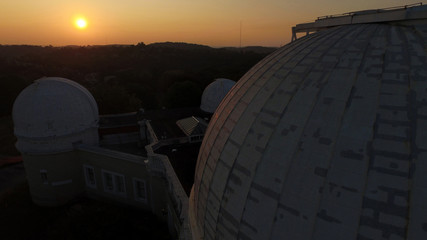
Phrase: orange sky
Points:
(209, 22)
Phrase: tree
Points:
(183, 94)
(10, 87)
(113, 98)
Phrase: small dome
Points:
(53, 111)
(326, 138)
(214, 93)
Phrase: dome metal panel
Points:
(53, 111)
(214, 93)
(323, 139)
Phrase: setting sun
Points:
(81, 23)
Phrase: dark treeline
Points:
(123, 78)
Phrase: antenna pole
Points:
(240, 43)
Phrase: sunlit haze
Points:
(81, 23)
(209, 22)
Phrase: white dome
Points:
(214, 93)
(324, 139)
(52, 113)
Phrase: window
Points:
(43, 175)
(114, 183)
(120, 183)
(89, 176)
(140, 190)
(108, 180)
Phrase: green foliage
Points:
(7, 138)
(183, 94)
(114, 98)
(10, 87)
(169, 77)
(141, 73)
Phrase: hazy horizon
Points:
(217, 23)
(133, 44)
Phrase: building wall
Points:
(177, 199)
(130, 170)
(56, 179)
(62, 180)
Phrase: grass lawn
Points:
(82, 219)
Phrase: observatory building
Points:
(214, 93)
(69, 150)
(50, 117)
(326, 138)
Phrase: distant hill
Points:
(180, 46)
(191, 46)
(255, 49)
(8, 50)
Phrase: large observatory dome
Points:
(324, 139)
(52, 113)
(214, 93)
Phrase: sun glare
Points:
(81, 23)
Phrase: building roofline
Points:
(401, 14)
(111, 153)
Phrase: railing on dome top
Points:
(370, 11)
(324, 22)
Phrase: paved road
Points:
(11, 176)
